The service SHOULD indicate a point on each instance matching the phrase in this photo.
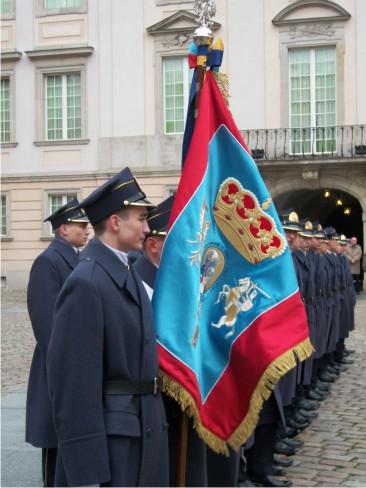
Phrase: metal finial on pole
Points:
(205, 12)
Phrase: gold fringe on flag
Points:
(266, 385)
(222, 80)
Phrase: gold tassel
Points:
(222, 80)
(266, 385)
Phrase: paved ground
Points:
(334, 453)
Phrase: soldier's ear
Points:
(63, 230)
(114, 223)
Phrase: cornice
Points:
(64, 52)
(166, 25)
(10, 56)
(340, 13)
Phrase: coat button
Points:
(148, 432)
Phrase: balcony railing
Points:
(307, 143)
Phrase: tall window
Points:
(5, 110)
(59, 4)
(63, 106)
(176, 92)
(313, 100)
(4, 212)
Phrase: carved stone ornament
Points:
(205, 11)
(179, 40)
(310, 175)
(316, 29)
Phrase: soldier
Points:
(288, 384)
(321, 304)
(307, 289)
(102, 360)
(347, 310)
(329, 370)
(147, 267)
(48, 273)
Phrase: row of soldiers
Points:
(94, 403)
(326, 287)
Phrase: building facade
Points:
(91, 86)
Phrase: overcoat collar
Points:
(66, 250)
(119, 273)
(300, 255)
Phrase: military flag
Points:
(229, 317)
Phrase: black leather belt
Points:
(137, 387)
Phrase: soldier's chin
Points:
(139, 246)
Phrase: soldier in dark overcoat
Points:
(347, 310)
(321, 298)
(147, 267)
(290, 224)
(102, 359)
(48, 273)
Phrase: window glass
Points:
(312, 73)
(5, 112)
(63, 107)
(3, 223)
(176, 92)
(5, 7)
(56, 201)
(60, 4)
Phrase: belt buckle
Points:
(156, 386)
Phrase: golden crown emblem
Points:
(245, 224)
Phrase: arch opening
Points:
(315, 205)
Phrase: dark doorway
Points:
(321, 206)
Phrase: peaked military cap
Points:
(330, 233)
(158, 218)
(120, 191)
(67, 214)
(318, 230)
(343, 241)
(290, 220)
(306, 228)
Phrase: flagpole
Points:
(205, 11)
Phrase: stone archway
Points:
(295, 182)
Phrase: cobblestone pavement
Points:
(17, 341)
(334, 453)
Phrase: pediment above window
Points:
(311, 11)
(180, 22)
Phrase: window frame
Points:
(41, 11)
(287, 43)
(9, 74)
(47, 233)
(186, 89)
(41, 112)
(64, 127)
(312, 101)
(7, 235)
